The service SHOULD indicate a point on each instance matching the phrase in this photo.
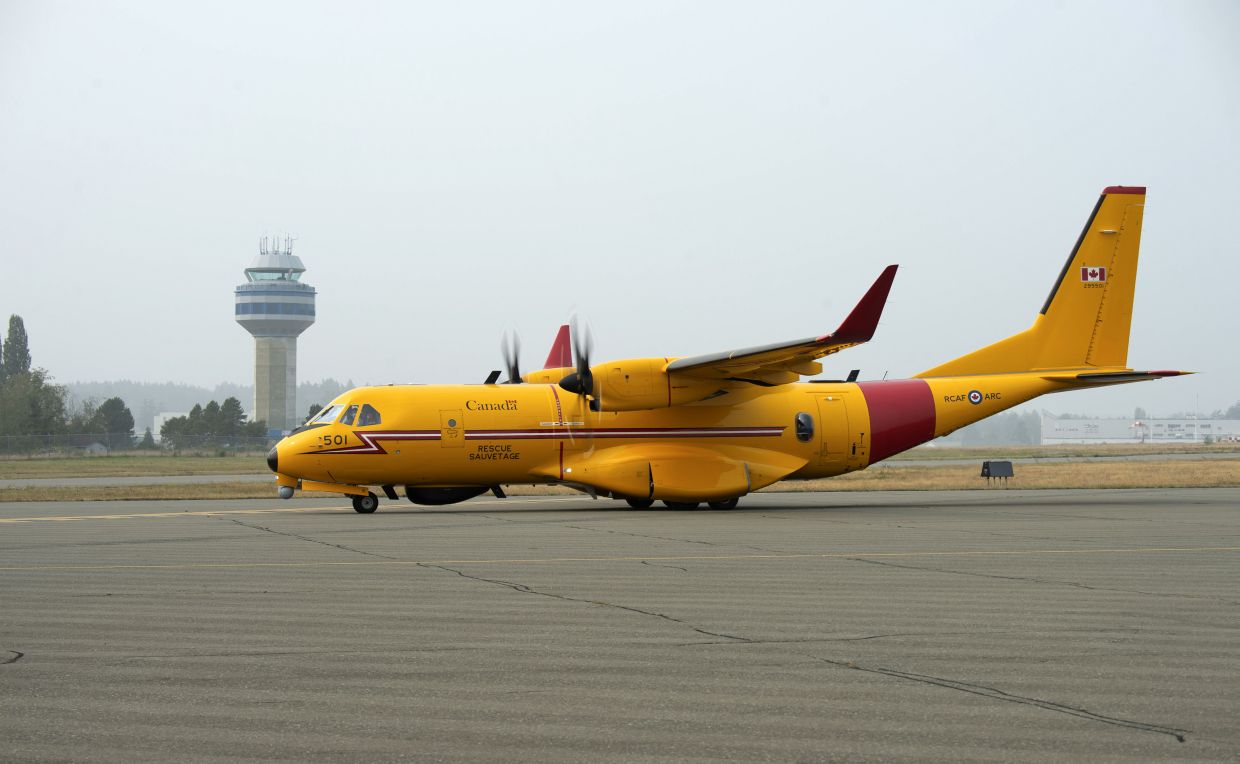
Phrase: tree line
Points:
(31, 404)
(215, 420)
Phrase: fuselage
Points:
(481, 435)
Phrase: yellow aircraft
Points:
(712, 428)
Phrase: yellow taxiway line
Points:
(636, 558)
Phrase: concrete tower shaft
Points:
(275, 307)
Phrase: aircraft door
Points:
(833, 418)
(451, 429)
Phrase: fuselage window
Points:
(805, 427)
(349, 415)
(328, 414)
(369, 416)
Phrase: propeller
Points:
(510, 348)
(580, 381)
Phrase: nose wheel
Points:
(365, 504)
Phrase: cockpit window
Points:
(328, 414)
(349, 414)
(805, 427)
(369, 416)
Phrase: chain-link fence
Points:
(105, 443)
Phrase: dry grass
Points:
(143, 492)
(130, 465)
(1152, 474)
(1045, 452)
(1146, 474)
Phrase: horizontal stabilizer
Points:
(1100, 378)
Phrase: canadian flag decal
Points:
(1093, 273)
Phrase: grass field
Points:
(1145, 474)
(130, 465)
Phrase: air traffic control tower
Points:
(275, 307)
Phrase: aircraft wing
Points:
(786, 361)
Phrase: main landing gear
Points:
(365, 504)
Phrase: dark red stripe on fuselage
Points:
(901, 415)
(370, 440)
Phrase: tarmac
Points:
(992, 625)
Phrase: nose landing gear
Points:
(365, 504)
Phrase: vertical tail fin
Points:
(561, 354)
(1087, 316)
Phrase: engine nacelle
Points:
(638, 384)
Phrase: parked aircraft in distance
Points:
(712, 428)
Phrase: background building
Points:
(275, 307)
(1065, 431)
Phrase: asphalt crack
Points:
(682, 541)
(806, 640)
(602, 603)
(311, 540)
(659, 565)
(285, 653)
(1049, 581)
(994, 693)
(11, 656)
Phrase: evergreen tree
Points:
(16, 348)
(194, 424)
(232, 417)
(211, 419)
(314, 409)
(148, 441)
(174, 430)
(117, 422)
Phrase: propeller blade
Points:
(510, 347)
(580, 381)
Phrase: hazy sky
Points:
(690, 177)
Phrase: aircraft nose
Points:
(273, 459)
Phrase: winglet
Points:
(561, 355)
(860, 325)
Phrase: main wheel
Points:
(681, 504)
(640, 503)
(726, 504)
(365, 504)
